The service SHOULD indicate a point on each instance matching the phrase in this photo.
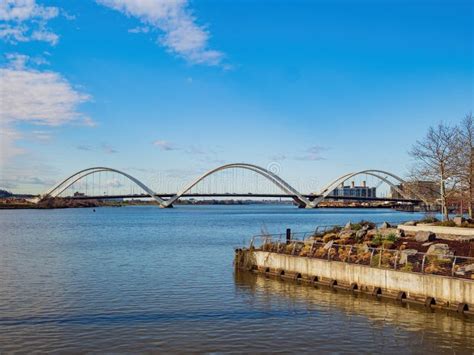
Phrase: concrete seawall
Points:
(440, 290)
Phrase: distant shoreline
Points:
(71, 203)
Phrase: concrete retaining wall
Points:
(450, 291)
(457, 231)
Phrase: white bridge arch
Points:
(57, 189)
(300, 199)
(275, 179)
(326, 191)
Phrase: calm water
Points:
(146, 279)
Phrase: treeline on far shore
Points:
(61, 202)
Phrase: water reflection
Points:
(405, 325)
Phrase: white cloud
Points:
(39, 97)
(36, 97)
(45, 36)
(25, 20)
(181, 34)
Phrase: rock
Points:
(423, 237)
(469, 268)
(426, 244)
(345, 233)
(361, 234)
(400, 233)
(328, 245)
(348, 226)
(365, 227)
(439, 249)
(330, 236)
(345, 238)
(459, 221)
(463, 269)
(405, 254)
(410, 223)
(385, 225)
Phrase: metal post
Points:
(288, 235)
(371, 256)
(452, 268)
(312, 247)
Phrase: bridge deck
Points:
(191, 195)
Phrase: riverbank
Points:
(22, 203)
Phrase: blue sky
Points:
(179, 87)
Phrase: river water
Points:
(136, 279)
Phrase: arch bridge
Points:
(302, 200)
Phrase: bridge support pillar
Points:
(166, 206)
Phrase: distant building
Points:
(79, 194)
(354, 191)
(428, 189)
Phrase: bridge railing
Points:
(305, 245)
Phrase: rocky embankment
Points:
(386, 246)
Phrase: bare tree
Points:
(465, 161)
(436, 156)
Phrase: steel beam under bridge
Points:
(310, 197)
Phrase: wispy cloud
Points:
(180, 32)
(115, 182)
(42, 136)
(312, 153)
(25, 20)
(278, 157)
(8, 138)
(29, 175)
(84, 147)
(104, 148)
(139, 29)
(164, 145)
(193, 149)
